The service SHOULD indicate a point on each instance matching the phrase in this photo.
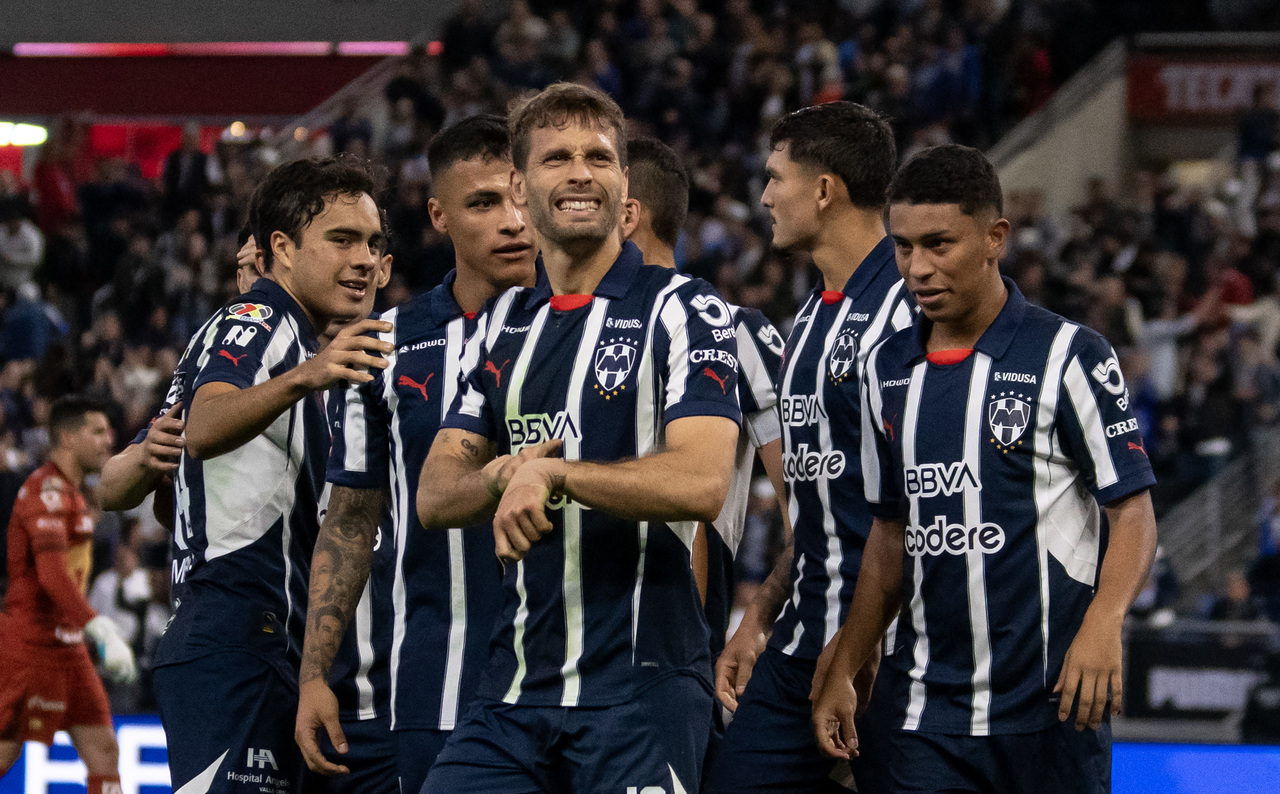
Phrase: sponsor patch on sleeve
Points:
(250, 312)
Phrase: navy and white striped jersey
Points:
(246, 521)
(601, 605)
(759, 358)
(446, 587)
(994, 465)
(822, 441)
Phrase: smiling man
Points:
(599, 678)
(992, 431)
(251, 473)
(444, 587)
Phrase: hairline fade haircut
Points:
(293, 194)
(847, 140)
(951, 174)
(658, 180)
(559, 105)
(69, 413)
(484, 136)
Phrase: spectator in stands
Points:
(351, 132)
(21, 246)
(1237, 601)
(186, 175)
(1156, 600)
(466, 35)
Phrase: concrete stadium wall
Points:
(1092, 140)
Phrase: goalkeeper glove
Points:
(117, 658)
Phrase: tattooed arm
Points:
(462, 481)
(339, 570)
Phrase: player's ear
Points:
(518, 188)
(997, 239)
(630, 217)
(436, 212)
(825, 190)
(282, 248)
(384, 271)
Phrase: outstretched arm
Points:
(339, 569)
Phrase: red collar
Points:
(946, 357)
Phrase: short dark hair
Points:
(559, 105)
(950, 174)
(485, 136)
(657, 179)
(293, 194)
(67, 414)
(845, 139)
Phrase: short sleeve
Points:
(358, 416)
(237, 345)
(1096, 425)
(698, 330)
(880, 478)
(760, 361)
(471, 409)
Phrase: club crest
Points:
(843, 354)
(1009, 415)
(613, 363)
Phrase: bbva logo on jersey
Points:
(613, 362)
(532, 429)
(1009, 416)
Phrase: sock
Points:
(104, 784)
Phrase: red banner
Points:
(1189, 89)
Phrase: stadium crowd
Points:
(106, 275)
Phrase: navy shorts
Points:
(228, 720)
(371, 757)
(416, 751)
(653, 743)
(769, 744)
(1056, 760)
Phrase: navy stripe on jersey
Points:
(246, 522)
(822, 440)
(445, 591)
(600, 605)
(990, 463)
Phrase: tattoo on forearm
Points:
(340, 568)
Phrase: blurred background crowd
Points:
(104, 275)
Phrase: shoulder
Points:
(895, 349)
(45, 491)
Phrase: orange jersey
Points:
(50, 554)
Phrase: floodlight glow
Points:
(236, 129)
(22, 134)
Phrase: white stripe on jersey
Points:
(518, 374)
(872, 406)
(1043, 473)
(1086, 405)
(910, 421)
(793, 506)
(364, 649)
(355, 429)
(574, 620)
(752, 367)
(450, 700)
(835, 558)
(674, 318)
(980, 721)
(399, 506)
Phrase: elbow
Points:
(709, 499)
(197, 446)
(429, 508)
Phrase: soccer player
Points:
(657, 203)
(447, 585)
(829, 170)
(250, 477)
(599, 676)
(47, 680)
(991, 433)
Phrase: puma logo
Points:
(1138, 446)
(405, 380)
(234, 359)
(710, 374)
(497, 371)
(888, 426)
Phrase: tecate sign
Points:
(1196, 89)
(144, 762)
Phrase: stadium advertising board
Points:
(144, 763)
(1182, 88)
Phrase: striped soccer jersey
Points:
(822, 441)
(359, 671)
(994, 465)
(246, 521)
(445, 590)
(601, 605)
